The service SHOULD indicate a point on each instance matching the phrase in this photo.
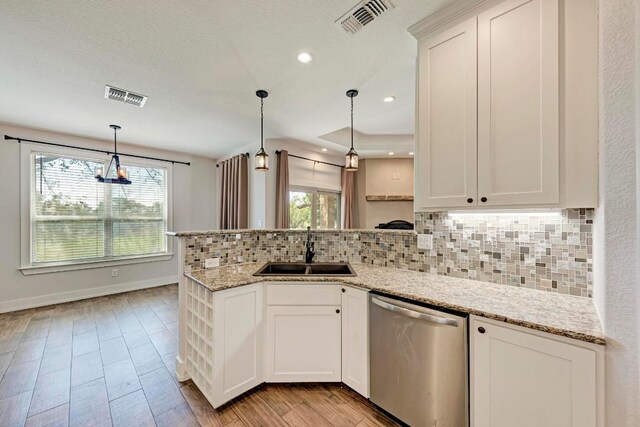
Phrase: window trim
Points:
(315, 191)
(26, 215)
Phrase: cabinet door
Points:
(303, 343)
(446, 122)
(238, 342)
(518, 131)
(520, 379)
(355, 339)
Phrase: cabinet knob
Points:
(344, 290)
(338, 310)
(469, 200)
(481, 330)
(484, 199)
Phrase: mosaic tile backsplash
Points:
(548, 252)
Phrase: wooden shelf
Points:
(389, 198)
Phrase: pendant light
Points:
(351, 161)
(121, 173)
(262, 158)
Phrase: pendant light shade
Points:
(262, 158)
(121, 173)
(351, 160)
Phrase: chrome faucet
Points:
(310, 252)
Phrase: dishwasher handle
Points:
(415, 314)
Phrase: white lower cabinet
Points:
(528, 379)
(355, 339)
(303, 333)
(303, 343)
(238, 341)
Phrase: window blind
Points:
(76, 218)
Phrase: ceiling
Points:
(200, 63)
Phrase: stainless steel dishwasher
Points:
(418, 363)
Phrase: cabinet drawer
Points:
(307, 294)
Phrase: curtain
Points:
(282, 190)
(233, 177)
(349, 208)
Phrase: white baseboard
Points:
(39, 301)
(181, 369)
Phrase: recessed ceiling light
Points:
(391, 153)
(389, 99)
(411, 153)
(305, 57)
(325, 150)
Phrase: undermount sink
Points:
(342, 269)
(282, 269)
(303, 269)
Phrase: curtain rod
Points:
(241, 154)
(95, 150)
(312, 160)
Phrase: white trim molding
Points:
(458, 10)
(42, 300)
(56, 268)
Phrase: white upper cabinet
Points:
(518, 122)
(447, 118)
(506, 110)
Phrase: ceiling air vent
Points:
(124, 96)
(362, 14)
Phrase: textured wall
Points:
(545, 252)
(616, 225)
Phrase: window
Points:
(74, 218)
(315, 208)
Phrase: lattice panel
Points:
(200, 336)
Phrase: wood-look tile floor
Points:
(111, 361)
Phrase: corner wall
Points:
(384, 177)
(194, 202)
(616, 232)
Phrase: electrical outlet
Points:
(114, 272)
(211, 262)
(425, 241)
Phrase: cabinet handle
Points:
(481, 330)
(484, 199)
(469, 200)
(344, 290)
(338, 310)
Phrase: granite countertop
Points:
(565, 315)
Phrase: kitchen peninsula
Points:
(230, 341)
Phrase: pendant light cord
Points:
(261, 123)
(115, 141)
(352, 122)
